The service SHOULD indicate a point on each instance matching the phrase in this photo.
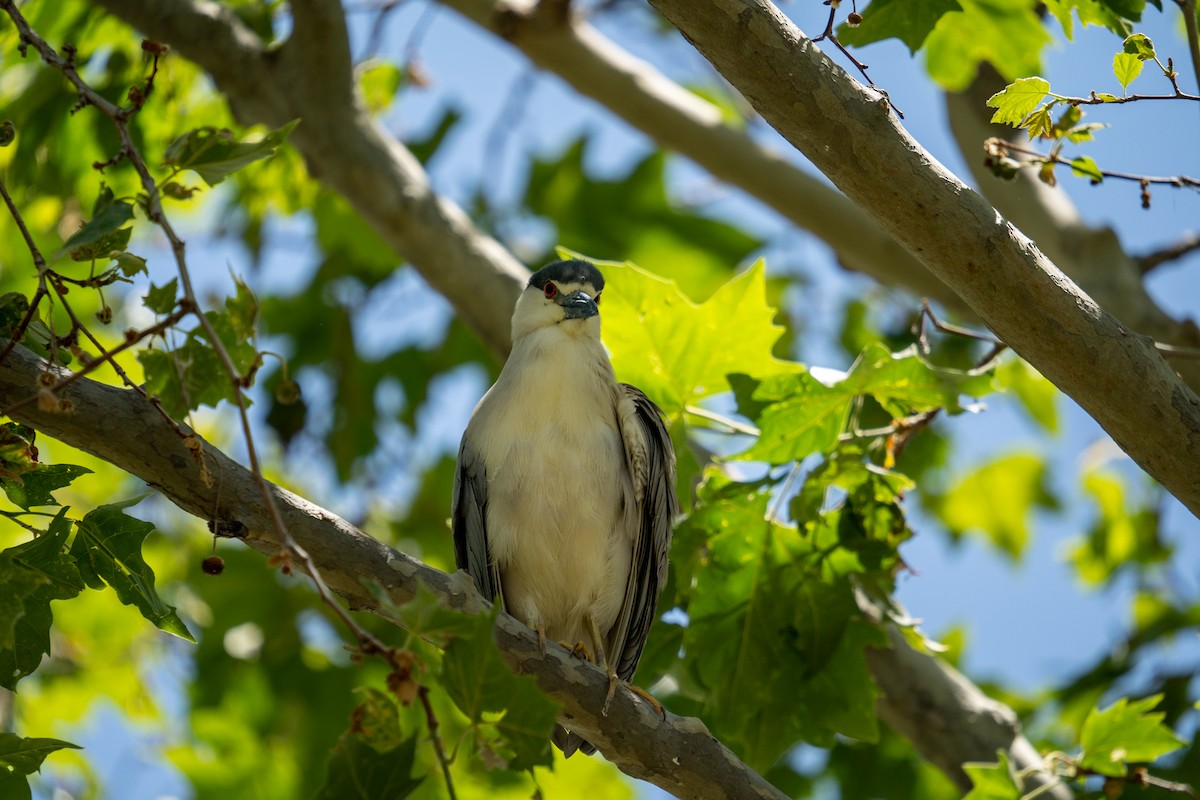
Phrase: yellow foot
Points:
(649, 698)
(579, 650)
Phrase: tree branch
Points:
(681, 121)
(949, 719)
(1114, 373)
(341, 145)
(677, 754)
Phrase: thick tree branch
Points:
(308, 78)
(677, 754)
(925, 699)
(681, 121)
(1114, 373)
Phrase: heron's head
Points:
(565, 293)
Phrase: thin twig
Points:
(1151, 261)
(131, 339)
(733, 424)
(861, 67)
(438, 750)
(996, 146)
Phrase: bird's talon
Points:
(613, 680)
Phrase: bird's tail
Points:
(570, 742)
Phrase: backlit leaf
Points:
(108, 550)
(214, 153)
(1125, 732)
(1017, 100)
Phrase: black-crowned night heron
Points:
(565, 490)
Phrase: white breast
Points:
(558, 486)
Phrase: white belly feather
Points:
(558, 490)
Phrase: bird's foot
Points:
(579, 650)
(541, 634)
(613, 681)
(649, 698)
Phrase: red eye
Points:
(550, 290)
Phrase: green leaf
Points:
(799, 415)
(1123, 536)
(769, 617)
(993, 781)
(161, 299)
(1017, 101)
(43, 566)
(372, 760)
(1139, 45)
(1126, 67)
(215, 154)
(1125, 733)
(186, 378)
(1038, 396)
(108, 550)
(25, 756)
(102, 235)
(1009, 35)
(484, 688)
(1085, 167)
(996, 500)
(1106, 97)
(909, 22)
(130, 265)
(1112, 14)
(34, 487)
(679, 352)
(378, 81)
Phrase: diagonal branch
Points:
(1113, 373)
(677, 754)
(924, 698)
(308, 77)
(681, 121)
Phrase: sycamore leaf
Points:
(33, 488)
(1017, 101)
(1085, 167)
(1038, 124)
(1125, 732)
(372, 760)
(108, 550)
(1126, 67)
(993, 781)
(1139, 45)
(679, 352)
(129, 264)
(769, 616)
(25, 756)
(1038, 396)
(996, 500)
(102, 234)
(187, 377)
(909, 22)
(161, 299)
(1105, 97)
(799, 415)
(42, 565)
(215, 154)
(490, 694)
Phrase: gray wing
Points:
(468, 520)
(656, 515)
